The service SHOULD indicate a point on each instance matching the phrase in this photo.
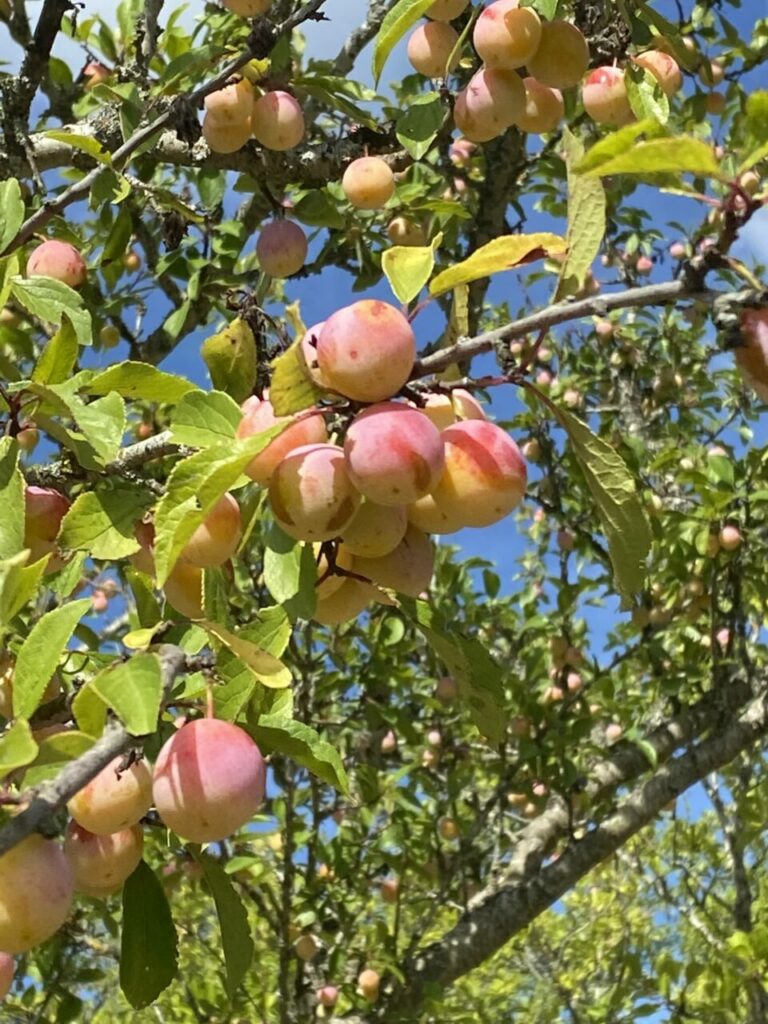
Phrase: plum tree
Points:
(278, 121)
(430, 46)
(605, 98)
(366, 351)
(562, 56)
(231, 105)
(368, 183)
(281, 248)
(44, 510)
(446, 10)
(407, 568)
(208, 780)
(394, 453)
(59, 260)
(506, 35)
(102, 863)
(311, 493)
(115, 799)
(544, 108)
(374, 530)
(7, 971)
(36, 889)
(491, 102)
(258, 416)
(216, 539)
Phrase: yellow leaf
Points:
(503, 253)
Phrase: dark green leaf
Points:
(148, 948)
(236, 940)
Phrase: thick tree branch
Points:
(131, 458)
(36, 59)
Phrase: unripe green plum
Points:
(407, 569)
(369, 982)
(184, 590)
(281, 248)
(344, 604)
(544, 108)
(562, 56)
(102, 862)
(604, 94)
(278, 121)
(44, 511)
(111, 802)
(311, 493)
(402, 231)
(492, 101)
(208, 780)
(258, 416)
(368, 183)
(430, 46)
(215, 540)
(223, 137)
(375, 530)
(485, 474)
(36, 890)
(446, 10)
(248, 8)
(132, 261)
(59, 260)
(394, 453)
(664, 69)
(231, 105)
(366, 351)
(506, 35)
(466, 406)
(109, 336)
(7, 969)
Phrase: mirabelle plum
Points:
(343, 560)
(368, 183)
(102, 862)
(439, 409)
(281, 248)
(604, 93)
(366, 351)
(231, 105)
(466, 406)
(184, 590)
(375, 530)
(248, 8)
(59, 260)
(506, 35)
(344, 604)
(484, 477)
(259, 415)
(311, 493)
(7, 969)
(216, 538)
(544, 108)
(394, 453)
(448, 828)
(369, 982)
(430, 517)
(664, 69)
(407, 569)
(223, 137)
(36, 891)
(278, 121)
(446, 10)
(111, 802)
(44, 511)
(430, 46)
(132, 261)
(306, 947)
(208, 780)
(402, 231)
(491, 102)
(562, 56)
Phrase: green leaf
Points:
(586, 221)
(418, 126)
(409, 267)
(681, 154)
(58, 358)
(236, 940)
(134, 690)
(504, 253)
(17, 747)
(11, 500)
(40, 654)
(11, 211)
(303, 745)
(103, 522)
(290, 573)
(19, 583)
(268, 669)
(330, 92)
(396, 23)
(292, 389)
(205, 418)
(51, 300)
(646, 97)
(271, 632)
(90, 711)
(55, 752)
(148, 947)
(141, 381)
(230, 356)
(319, 209)
(85, 143)
(9, 268)
(619, 507)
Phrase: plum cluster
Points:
(235, 114)
(604, 90)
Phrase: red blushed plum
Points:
(394, 454)
(111, 802)
(281, 248)
(7, 969)
(258, 416)
(366, 351)
(507, 35)
(562, 56)
(102, 862)
(446, 10)
(216, 538)
(604, 94)
(492, 101)
(375, 530)
(184, 590)
(231, 105)
(485, 474)
(544, 108)
(248, 8)
(344, 604)
(430, 517)
(36, 890)
(368, 183)
(44, 511)
(439, 409)
(208, 780)
(223, 137)
(311, 493)
(430, 46)
(59, 260)
(408, 569)
(466, 406)
(664, 69)
(278, 121)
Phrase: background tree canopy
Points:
(511, 773)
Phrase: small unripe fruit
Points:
(231, 105)
(306, 947)
(109, 336)
(216, 538)
(446, 10)
(644, 265)
(664, 68)
(388, 742)
(678, 251)
(7, 969)
(711, 73)
(278, 121)
(311, 493)
(27, 439)
(281, 248)
(328, 996)
(447, 689)
(368, 982)
(723, 637)
(565, 540)
(730, 538)
(562, 56)
(430, 759)
(248, 8)
(59, 260)
(434, 738)
(99, 601)
(604, 94)
(102, 862)
(613, 732)
(402, 231)
(368, 183)
(36, 890)
(390, 890)
(258, 416)
(750, 181)
(715, 103)
(208, 780)
(225, 137)
(430, 45)
(132, 261)
(111, 802)
(448, 828)
(544, 108)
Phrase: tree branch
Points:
(38, 52)
(361, 36)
